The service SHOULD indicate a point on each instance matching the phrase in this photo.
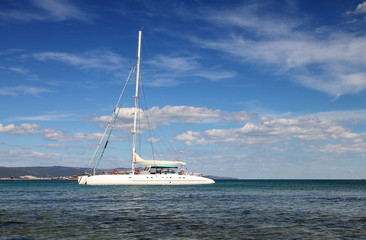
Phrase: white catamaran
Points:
(154, 172)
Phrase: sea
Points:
(229, 209)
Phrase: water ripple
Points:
(226, 210)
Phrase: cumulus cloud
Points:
(50, 134)
(61, 136)
(268, 132)
(125, 117)
(26, 158)
(345, 116)
(357, 146)
(22, 129)
(183, 114)
(189, 137)
(361, 8)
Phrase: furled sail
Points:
(138, 160)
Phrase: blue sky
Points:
(249, 89)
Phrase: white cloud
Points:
(153, 140)
(44, 10)
(168, 114)
(56, 146)
(238, 116)
(125, 119)
(349, 116)
(215, 75)
(189, 137)
(339, 61)
(21, 89)
(50, 117)
(97, 59)
(21, 157)
(61, 10)
(50, 134)
(180, 64)
(326, 59)
(61, 136)
(250, 17)
(168, 71)
(357, 146)
(164, 81)
(338, 85)
(361, 8)
(17, 15)
(22, 129)
(268, 132)
(184, 114)
(23, 71)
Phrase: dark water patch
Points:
(18, 237)
(10, 224)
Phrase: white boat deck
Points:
(144, 179)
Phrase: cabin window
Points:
(164, 170)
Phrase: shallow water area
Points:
(242, 209)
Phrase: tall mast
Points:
(134, 131)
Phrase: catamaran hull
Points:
(146, 179)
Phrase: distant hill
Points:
(55, 171)
(220, 178)
(59, 171)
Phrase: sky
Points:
(245, 89)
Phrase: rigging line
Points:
(110, 120)
(147, 52)
(169, 147)
(173, 151)
(148, 121)
(113, 125)
(109, 136)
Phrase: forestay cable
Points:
(114, 115)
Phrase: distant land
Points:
(58, 171)
(42, 172)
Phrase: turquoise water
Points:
(243, 209)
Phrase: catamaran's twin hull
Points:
(144, 179)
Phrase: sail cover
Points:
(138, 160)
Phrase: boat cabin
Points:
(163, 169)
